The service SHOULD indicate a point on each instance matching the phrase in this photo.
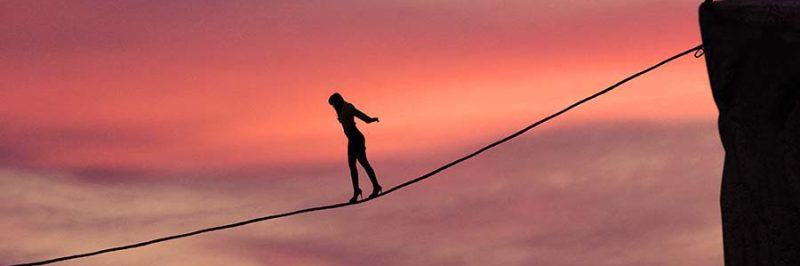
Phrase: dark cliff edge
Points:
(753, 58)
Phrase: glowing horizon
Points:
(184, 99)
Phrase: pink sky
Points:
(129, 101)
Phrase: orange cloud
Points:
(214, 86)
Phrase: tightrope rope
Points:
(696, 49)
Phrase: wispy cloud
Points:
(596, 194)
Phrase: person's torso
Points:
(347, 116)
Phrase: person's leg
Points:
(362, 158)
(351, 161)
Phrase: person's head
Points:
(336, 100)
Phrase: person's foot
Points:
(356, 195)
(376, 190)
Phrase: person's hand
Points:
(375, 119)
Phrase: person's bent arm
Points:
(364, 117)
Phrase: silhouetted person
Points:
(356, 149)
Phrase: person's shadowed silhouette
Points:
(356, 148)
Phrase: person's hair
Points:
(336, 100)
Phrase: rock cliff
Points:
(753, 59)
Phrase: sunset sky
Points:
(122, 121)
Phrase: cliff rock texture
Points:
(753, 59)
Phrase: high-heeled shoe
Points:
(376, 190)
(356, 196)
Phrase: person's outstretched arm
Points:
(364, 117)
